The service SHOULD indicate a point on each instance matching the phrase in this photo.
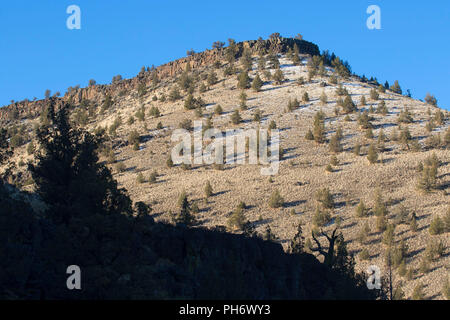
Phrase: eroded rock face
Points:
(97, 93)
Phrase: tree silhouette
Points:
(68, 175)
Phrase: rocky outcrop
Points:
(96, 93)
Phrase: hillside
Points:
(303, 165)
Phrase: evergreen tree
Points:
(68, 175)
(237, 219)
(418, 292)
(372, 155)
(257, 83)
(243, 80)
(236, 117)
(396, 87)
(309, 135)
(324, 197)
(208, 189)
(335, 144)
(361, 210)
(298, 242)
(184, 216)
(380, 208)
(243, 100)
(278, 77)
(349, 106)
(319, 128)
(276, 200)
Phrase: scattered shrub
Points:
(276, 200)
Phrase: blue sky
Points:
(38, 52)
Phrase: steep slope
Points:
(302, 170)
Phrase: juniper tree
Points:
(305, 97)
(278, 77)
(67, 172)
(361, 210)
(382, 109)
(257, 115)
(154, 112)
(413, 223)
(298, 242)
(295, 57)
(428, 178)
(362, 234)
(243, 80)
(324, 197)
(237, 220)
(437, 226)
(293, 104)
(319, 128)
(380, 141)
(381, 223)
(273, 59)
(269, 235)
(309, 135)
(257, 83)
(389, 235)
(372, 155)
(431, 99)
(184, 216)
(362, 102)
(218, 45)
(236, 117)
(374, 95)
(364, 120)
(334, 161)
(153, 177)
(435, 249)
(349, 106)
(321, 217)
(218, 109)
(418, 292)
(276, 200)
(272, 125)
(174, 94)
(439, 117)
(341, 91)
(261, 63)
(396, 87)
(379, 208)
(405, 116)
(208, 189)
(133, 138)
(300, 81)
(140, 178)
(243, 100)
(335, 144)
(246, 60)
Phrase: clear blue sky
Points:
(38, 52)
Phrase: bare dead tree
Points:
(329, 253)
